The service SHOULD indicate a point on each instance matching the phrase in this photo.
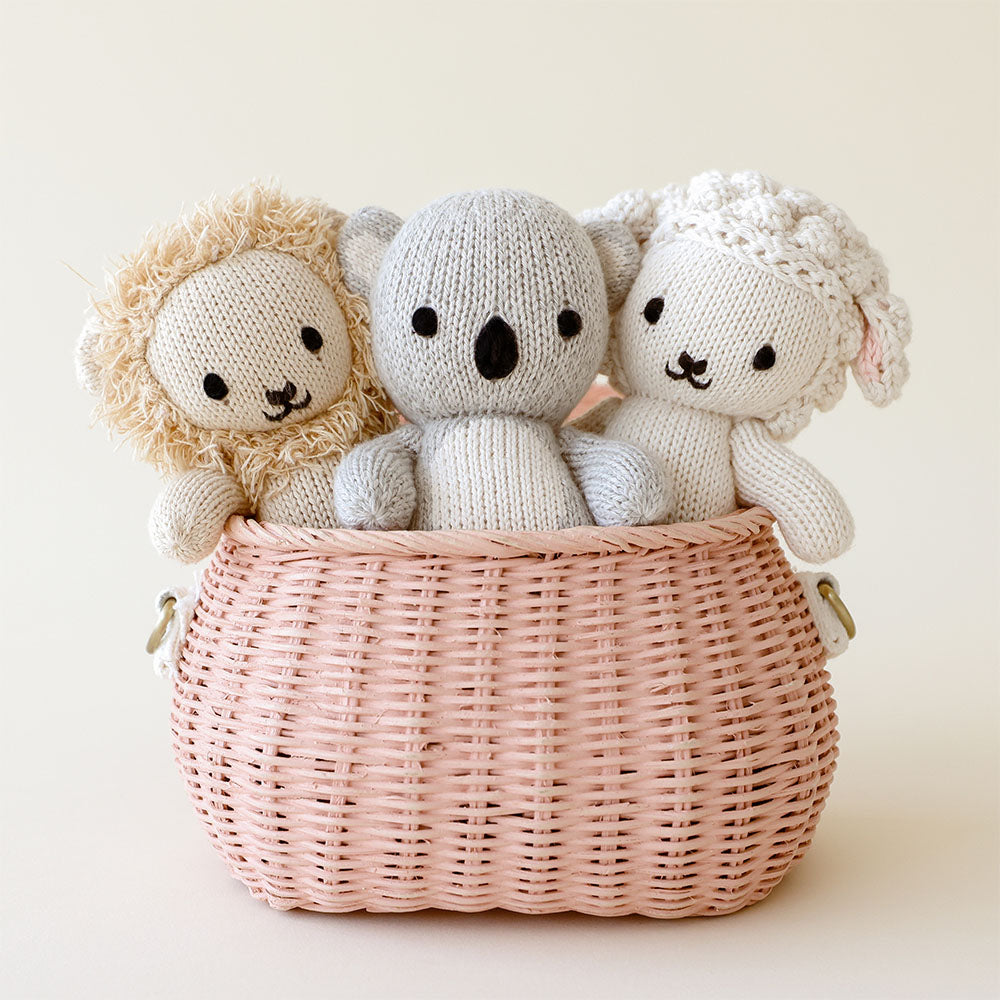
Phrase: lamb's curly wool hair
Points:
(112, 356)
(803, 240)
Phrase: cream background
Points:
(115, 113)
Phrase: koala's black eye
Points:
(569, 323)
(214, 387)
(653, 309)
(764, 358)
(312, 338)
(425, 321)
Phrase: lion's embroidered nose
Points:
(281, 397)
(496, 350)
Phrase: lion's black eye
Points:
(764, 358)
(312, 338)
(425, 321)
(569, 323)
(214, 387)
(653, 309)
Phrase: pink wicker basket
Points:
(604, 720)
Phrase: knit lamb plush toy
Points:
(489, 322)
(229, 352)
(751, 302)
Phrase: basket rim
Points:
(583, 540)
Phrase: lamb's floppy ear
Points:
(880, 367)
(88, 371)
(619, 255)
(637, 209)
(362, 244)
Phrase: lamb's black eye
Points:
(214, 387)
(425, 321)
(764, 358)
(569, 323)
(312, 338)
(653, 309)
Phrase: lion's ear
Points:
(362, 245)
(88, 370)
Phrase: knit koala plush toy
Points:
(752, 301)
(231, 355)
(489, 322)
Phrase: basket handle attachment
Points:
(825, 588)
(829, 613)
(160, 628)
(166, 642)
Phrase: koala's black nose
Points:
(278, 397)
(496, 350)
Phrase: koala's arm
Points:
(188, 516)
(622, 484)
(375, 486)
(596, 419)
(810, 512)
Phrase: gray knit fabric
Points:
(489, 322)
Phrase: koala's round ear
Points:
(362, 244)
(880, 367)
(618, 253)
(88, 371)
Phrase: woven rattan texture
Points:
(604, 720)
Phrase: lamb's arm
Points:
(622, 484)
(375, 487)
(810, 512)
(596, 419)
(188, 516)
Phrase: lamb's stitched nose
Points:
(496, 350)
(278, 397)
(688, 364)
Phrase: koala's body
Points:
(751, 302)
(486, 472)
(232, 356)
(489, 322)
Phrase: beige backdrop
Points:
(114, 115)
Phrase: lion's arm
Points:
(189, 514)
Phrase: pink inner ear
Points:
(869, 360)
(597, 392)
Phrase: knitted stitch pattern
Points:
(751, 302)
(784, 234)
(229, 342)
(489, 322)
(113, 355)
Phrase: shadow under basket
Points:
(606, 720)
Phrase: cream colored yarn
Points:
(242, 316)
(735, 267)
(228, 292)
(519, 293)
(802, 240)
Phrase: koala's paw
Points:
(627, 487)
(375, 489)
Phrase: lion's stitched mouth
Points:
(283, 397)
(689, 368)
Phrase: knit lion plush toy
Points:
(489, 322)
(752, 301)
(231, 355)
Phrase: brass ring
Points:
(160, 629)
(839, 607)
